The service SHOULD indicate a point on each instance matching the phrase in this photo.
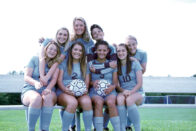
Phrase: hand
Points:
(127, 93)
(68, 91)
(46, 92)
(86, 92)
(44, 80)
(133, 59)
(41, 40)
(113, 64)
(92, 69)
(95, 84)
(38, 85)
(109, 89)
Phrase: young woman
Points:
(102, 50)
(40, 98)
(135, 53)
(81, 33)
(97, 35)
(74, 67)
(138, 55)
(131, 92)
(62, 39)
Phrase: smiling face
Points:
(51, 51)
(102, 51)
(79, 27)
(132, 45)
(62, 36)
(122, 52)
(97, 34)
(76, 52)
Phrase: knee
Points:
(49, 100)
(130, 101)
(111, 103)
(36, 100)
(98, 103)
(86, 101)
(120, 100)
(72, 104)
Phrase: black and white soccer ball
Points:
(102, 85)
(78, 87)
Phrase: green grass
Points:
(152, 119)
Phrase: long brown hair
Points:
(82, 60)
(128, 61)
(85, 35)
(55, 59)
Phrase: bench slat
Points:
(22, 107)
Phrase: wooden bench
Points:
(14, 84)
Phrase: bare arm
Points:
(42, 62)
(115, 79)
(64, 88)
(53, 80)
(52, 83)
(60, 80)
(51, 71)
(87, 81)
(114, 83)
(143, 67)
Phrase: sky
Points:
(165, 29)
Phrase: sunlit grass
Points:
(152, 119)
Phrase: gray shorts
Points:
(94, 93)
(30, 87)
(143, 95)
(58, 92)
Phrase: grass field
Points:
(152, 119)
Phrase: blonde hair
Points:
(130, 37)
(51, 61)
(85, 35)
(65, 45)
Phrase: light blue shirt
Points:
(34, 64)
(86, 44)
(76, 72)
(129, 81)
(141, 56)
(107, 76)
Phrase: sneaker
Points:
(72, 128)
(106, 129)
(128, 128)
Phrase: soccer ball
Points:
(78, 87)
(102, 85)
